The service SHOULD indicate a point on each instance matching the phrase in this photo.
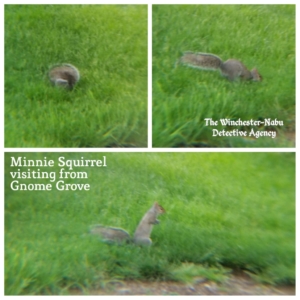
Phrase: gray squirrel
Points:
(65, 75)
(142, 232)
(231, 69)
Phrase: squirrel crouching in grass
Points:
(65, 76)
(231, 68)
(142, 232)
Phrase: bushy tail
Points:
(201, 60)
(111, 234)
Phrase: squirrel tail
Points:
(75, 72)
(111, 235)
(200, 60)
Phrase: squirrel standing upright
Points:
(142, 232)
(231, 69)
(65, 76)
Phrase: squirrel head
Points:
(255, 75)
(159, 208)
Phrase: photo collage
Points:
(149, 149)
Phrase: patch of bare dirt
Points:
(235, 285)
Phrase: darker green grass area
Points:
(261, 36)
(224, 211)
(108, 44)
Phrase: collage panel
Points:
(76, 76)
(149, 223)
(223, 76)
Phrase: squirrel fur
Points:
(231, 68)
(142, 232)
(65, 76)
(111, 234)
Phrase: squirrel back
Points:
(231, 68)
(65, 76)
(142, 233)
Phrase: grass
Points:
(108, 44)
(261, 36)
(224, 211)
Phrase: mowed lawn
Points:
(224, 211)
(261, 36)
(108, 44)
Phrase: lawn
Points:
(224, 211)
(261, 36)
(108, 44)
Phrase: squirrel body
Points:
(231, 68)
(65, 76)
(142, 232)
